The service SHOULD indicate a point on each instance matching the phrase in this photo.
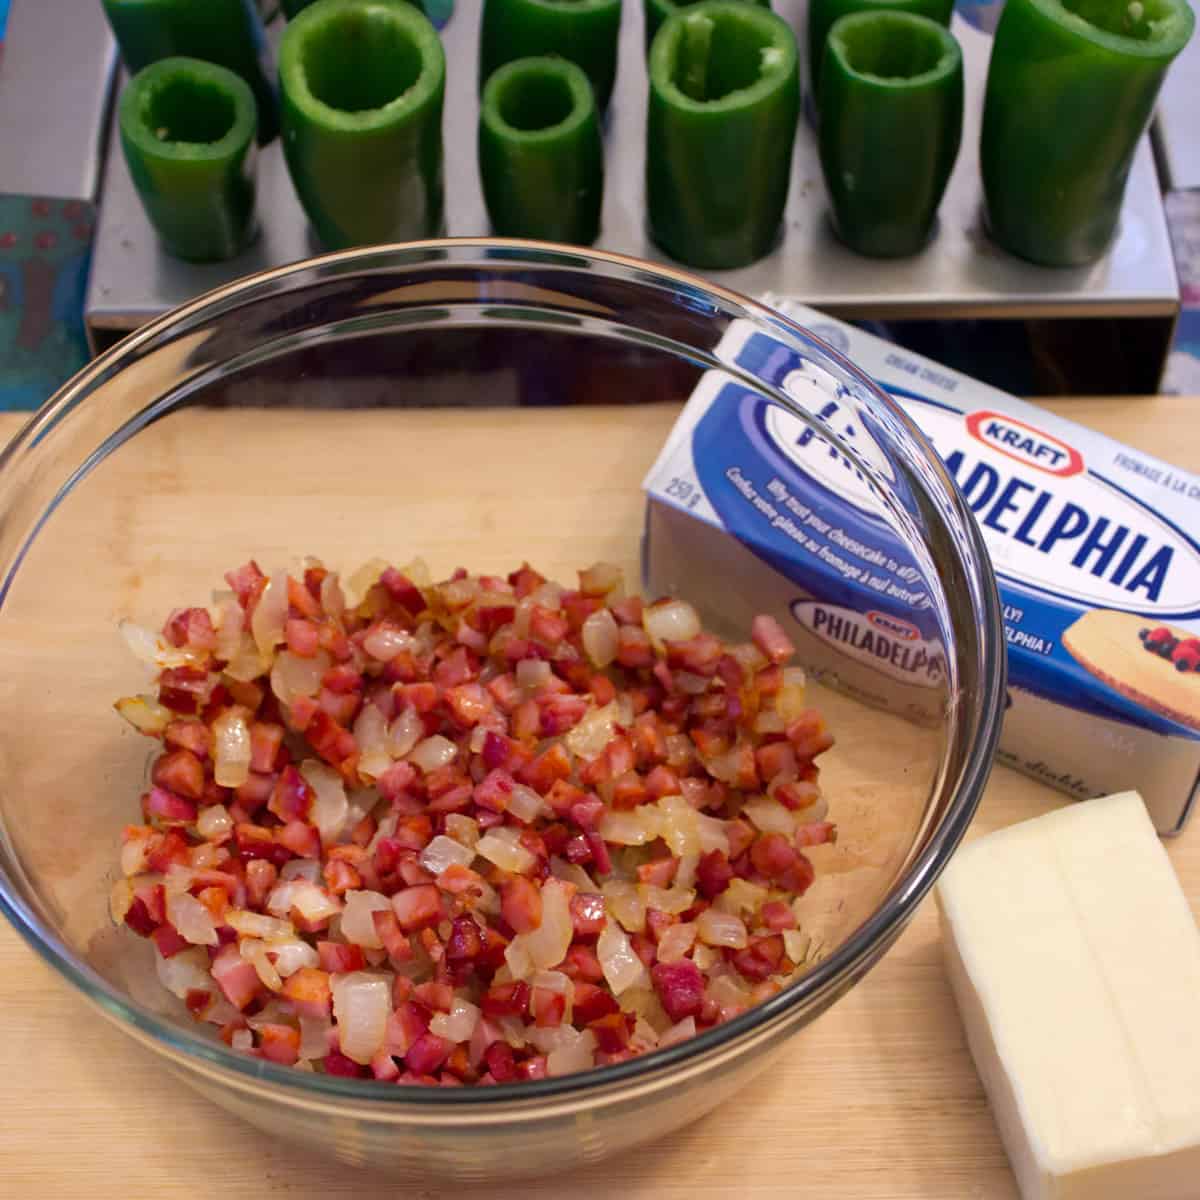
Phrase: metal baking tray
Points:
(961, 275)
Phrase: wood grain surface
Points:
(877, 1099)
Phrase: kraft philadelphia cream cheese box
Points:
(1094, 546)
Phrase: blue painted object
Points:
(45, 250)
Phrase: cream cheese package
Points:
(1094, 546)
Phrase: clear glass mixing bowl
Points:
(473, 402)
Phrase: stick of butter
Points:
(1075, 962)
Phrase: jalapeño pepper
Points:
(363, 83)
(541, 158)
(657, 11)
(583, 31)
(226, 32)
(891, 121)
(187, 130)
(724, 99)
(1071, 87)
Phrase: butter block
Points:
(1075, 962)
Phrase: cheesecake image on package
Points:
(1094, 546)
(1155, 666)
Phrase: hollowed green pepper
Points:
(891, 121)
(657, 11)
(292, 8)
(724, 100)
(823, 13)
(1071, 87)
(363, 83)
(541, 157)
(582, 31)
(187, 130)
(226, 32)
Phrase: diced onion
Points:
(333, 601)
(405, 732)
(790, 702)
(270, 613)
(508, 856)
(547, 945)
(301, 868)
(193, 922)
(314, 1036)
(671, 621)
(358, 924)
(717, 928)
(120, 900)
(573, 873)
(214, 822)
(668, 900)
(578, 1055)
(444, 852)
(797, 945)
(742, 896)
(600, 639)
(727, 992)
(676, 941)
(313, 903)
(355, 588)
(433, 752)
(292, 675)
(464, 830)
(255, 925)
(145, 714)
(185, 972)
(384, 642)
(154, 650)
(770, 816)
(678, 1033)
(290, 956)
(633, 828)
(589, 738)
(371, 734)
(532, 673)
(525, 804)
(710, 833)
(679, 825)
(330, 808)
(623, 902)
(458, 1024)
(231, 749)
(255, 953)
(362, 1003)
(621, 966)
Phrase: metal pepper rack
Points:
(1129, 300)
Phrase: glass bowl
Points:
(473, 402)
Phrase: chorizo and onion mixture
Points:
(468, 832)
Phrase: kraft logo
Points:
(896, 626)
(1025, 443)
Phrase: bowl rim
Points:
(848, 961)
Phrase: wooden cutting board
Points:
(877, 1100)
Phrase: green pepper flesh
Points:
(1070, 91)
(226, 32)
(541, 157)
(657, 11)
(583, 31)
(823, 13)
(363, 84)
(187, 131)
(724, 101)
(891, 122)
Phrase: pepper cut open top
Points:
(187, 109)
(1136, 28)
(535, 99)
(721, 59)
(893, 49)
(357, 67)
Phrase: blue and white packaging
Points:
(1094, 546)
